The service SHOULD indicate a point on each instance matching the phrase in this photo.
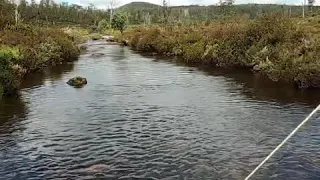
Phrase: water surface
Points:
(145, 118)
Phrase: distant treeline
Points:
(147, 13)
(49, 12)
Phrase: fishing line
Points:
(283, 142)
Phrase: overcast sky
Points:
(103, 3)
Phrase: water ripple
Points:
(144, 119)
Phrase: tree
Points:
(226, 2)
(311, 3)
(226, 6)
(17, 15)
(119, 22)
(112, 4)
(166, 12)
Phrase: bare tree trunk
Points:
(303, 8)
(112, 4)
(16, 14)
(111, 14)
(290, 11)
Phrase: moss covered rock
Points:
(77, 82)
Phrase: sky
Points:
(103, 3)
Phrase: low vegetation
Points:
(25, 48)
(273, 45)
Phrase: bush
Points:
(103, 25)
(78, 35)
(69, 50)
(271, 44)
(9, 76)
(26, 48)
(49, 52)
(192, 53)
(148, 39)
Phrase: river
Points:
(141, 117)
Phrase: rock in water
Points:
(96, 55)
(77, 82)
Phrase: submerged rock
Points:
(97, 55)
(77, 82)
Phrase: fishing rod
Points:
(283, 142)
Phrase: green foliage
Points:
(192, 53)
(7, 13)
(69, 50)
(9, 75)
(79, 35)
(138, 11)
(119, 22)
(48, 12)
(103, 25)
(49, 50)
(271, 44)
(25, 48)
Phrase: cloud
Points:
(104, 3)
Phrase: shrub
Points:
(29, 48)
(192, 53)
(79, 35)
(49, 52)
(166, 45)
(271, 44)
(103, 25)
(147, 40)
(9, 76)
(69, 51)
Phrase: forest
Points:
(279, 41)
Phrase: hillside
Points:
(139, 5)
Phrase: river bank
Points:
(25, 48)
(280, 48)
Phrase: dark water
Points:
(142, 118)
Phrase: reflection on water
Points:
(261, 88)
(11, 110)
(49, 75)
(141, 118)
(256, 86)
(14, 110)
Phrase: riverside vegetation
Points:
(37, 35)
(282, 48)
(25, 48)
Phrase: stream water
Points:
(145, 118)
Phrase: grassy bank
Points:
(25, 48)
(281, 48)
